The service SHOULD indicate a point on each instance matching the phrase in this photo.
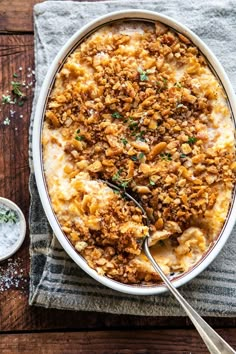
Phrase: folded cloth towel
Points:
(55, 280)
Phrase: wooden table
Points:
(25, 329)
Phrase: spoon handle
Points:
(214, 343)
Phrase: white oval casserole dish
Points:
(69, 47)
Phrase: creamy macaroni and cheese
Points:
(137, 105)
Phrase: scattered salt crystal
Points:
(20, 68)
(6, 121)
(10, 277)
(21, 116)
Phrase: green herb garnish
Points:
(182, 156)
(141, 156)
(166, 156)
(124, 184)
(6, 99)
(79, 137)
(179, 105)
(140, 136)
(15, 75)
(124, 141)
(20, 103)
(116, 115)
(178, 84)
(162, 85)
(132, 124)
(120, 181)
(116, 192)
(9, 215)
(143, 75)
(165, 82)
(191, 140)
(16, 88)
(151, 182)
(117, 175)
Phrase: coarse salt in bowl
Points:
(12, 228)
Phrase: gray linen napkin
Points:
(55, 280)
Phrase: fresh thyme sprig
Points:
(9, 215)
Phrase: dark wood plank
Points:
(113, 342)
(17, 15)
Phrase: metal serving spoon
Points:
(214, 343)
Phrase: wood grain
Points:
(113, 342)
(17, 15)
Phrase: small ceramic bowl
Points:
(69, 47)
(14, 247)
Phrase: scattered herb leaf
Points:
(15, 75)
(124, 141)
(165, 82)
(117, 175)
(182, 156)
(151, 182)
(116, 192)
(134, 158)
(192, 140)
(141, 156)
(166, 156)
(143, 75)
(121, 182)
(178, 84)
(140, 136)
(124, 184)
(180, 105)
(79, 137)
(6, 99)
(116, 115)
(20, 103)
(132, 124)
(16, 88)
